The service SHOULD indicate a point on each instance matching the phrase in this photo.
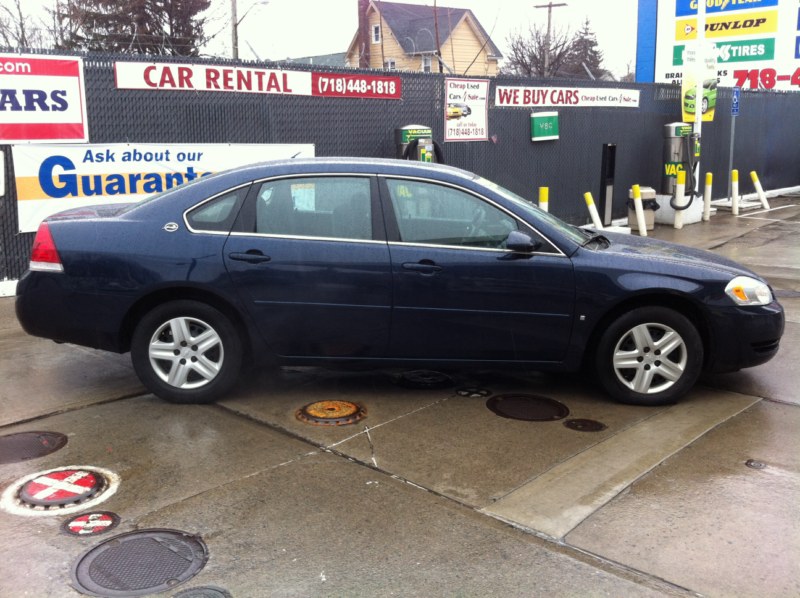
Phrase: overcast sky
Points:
(278, 29)
(292, 28)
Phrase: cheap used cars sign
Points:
(50, 179)
(42, 99)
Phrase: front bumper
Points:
(743, 337)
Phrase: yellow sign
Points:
(729, 25)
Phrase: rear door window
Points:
(316, 207)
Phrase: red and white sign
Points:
(578, 97)
(42, 99)
(61, 486)
(91, 523)
(207, 77)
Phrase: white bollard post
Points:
(707, 197)
(544, 199)
(598, 224)
(761, 195)
(639, 209)
(735, 192)
(680, 190)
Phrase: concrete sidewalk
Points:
(432, 494)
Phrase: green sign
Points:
(409, 135)
(544, 126)
(736, 51)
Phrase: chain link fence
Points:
(767, 131)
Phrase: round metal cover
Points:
(527, 407)
(585, 425)
(91, 523)
(203, 592)
(425, 379)
(29, 445)
(139, 563)
(331, 413)
(62, 488)
(473, 392)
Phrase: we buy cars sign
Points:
(578, 97)
(42, 99)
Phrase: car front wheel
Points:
(649, 356)
(186, 352)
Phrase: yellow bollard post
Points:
(761, 195)
(735, 192)
(598, 224)
(544, 199)
(680, 190)
(707, 197)
(639, 209)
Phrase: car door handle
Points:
(423, 267)
(254, 256)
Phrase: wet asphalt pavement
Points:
(430, 494)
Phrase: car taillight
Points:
(44, 256)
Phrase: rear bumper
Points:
(47, 309)
(744, 337)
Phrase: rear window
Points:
(218, 214)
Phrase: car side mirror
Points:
(520, 242)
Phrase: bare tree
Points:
(165, 27)
(17, 29)
(526, 54)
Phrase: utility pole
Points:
(234, 31)
(549, 6)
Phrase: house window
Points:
(390, 64)
(376, 34)
(426, 64)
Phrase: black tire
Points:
(705, 105)
(184, 372)
(662, 348)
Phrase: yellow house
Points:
(403, 37)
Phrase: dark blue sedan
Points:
(338, 262)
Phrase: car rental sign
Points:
(42, 99)
(210, 77)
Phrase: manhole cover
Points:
(60, 491)
(139, 563)
(331, 413)
(61, 488)
(585, 425)
(473, 392)
(29, 445)
(527, 407)
(91, 523)
(203, 592)
(425, 379)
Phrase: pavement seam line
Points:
(539, 505)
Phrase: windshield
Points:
(536, 215)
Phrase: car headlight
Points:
(748, 291)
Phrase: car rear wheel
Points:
(186, 352)
(705, 105)
(649, 356)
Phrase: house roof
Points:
(414, 26)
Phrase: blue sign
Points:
(685, 8)
(735, 101)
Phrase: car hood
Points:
(654, 250)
